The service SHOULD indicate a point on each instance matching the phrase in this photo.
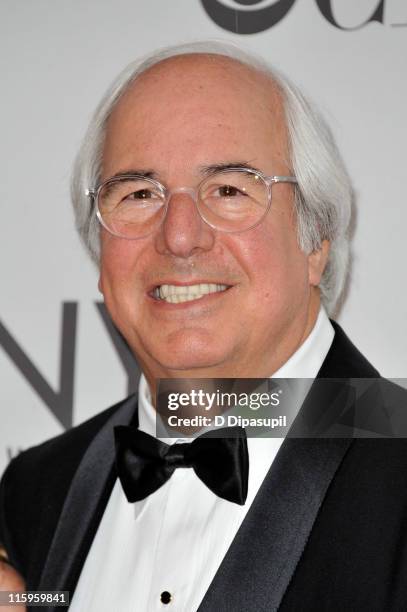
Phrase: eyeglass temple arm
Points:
(283, 179)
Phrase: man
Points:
(205, 279)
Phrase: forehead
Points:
(199, 107)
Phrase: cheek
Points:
(118, 275)
(113, 272)
(277, 269)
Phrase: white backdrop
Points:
(57, 59)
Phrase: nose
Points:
(183, 232)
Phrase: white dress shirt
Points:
(175, 539)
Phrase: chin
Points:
(192, 352)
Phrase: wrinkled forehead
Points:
(198, 94)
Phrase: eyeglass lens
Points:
(229, 201)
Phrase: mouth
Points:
(176, 294)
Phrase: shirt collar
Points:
(308, 358)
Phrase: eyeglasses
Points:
(230, 200)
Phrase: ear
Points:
(316, 263)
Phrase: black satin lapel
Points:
(83, 507)
(262, 558)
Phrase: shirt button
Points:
(165, 597)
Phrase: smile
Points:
(175, 294)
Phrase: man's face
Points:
(182, 115)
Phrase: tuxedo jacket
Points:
(327, 530)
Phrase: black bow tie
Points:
(144, 463)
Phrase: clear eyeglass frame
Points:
(94, 193)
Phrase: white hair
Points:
(323, 196)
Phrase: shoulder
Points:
(59, 455)
(344, 360)
(36, 482)
(381, 405)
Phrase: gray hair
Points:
(323, 196)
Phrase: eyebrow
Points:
(206, 170)
(133, 171)
(212, 168)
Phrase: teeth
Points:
(174, 294)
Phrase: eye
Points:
(228, 191)
(142, 194)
